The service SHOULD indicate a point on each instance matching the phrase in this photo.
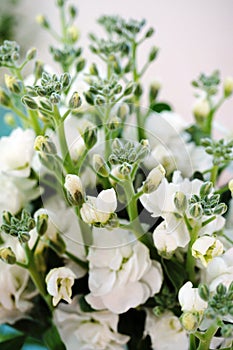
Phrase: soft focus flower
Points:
(99, 209)
(190, 300)
(201, 109)
(59, 283)
(121, 274)
(166, 332)
(16, 152)
(15, 293)
(16, 193)
(154, 179)
(206, 248)
(220, 270)
(88, 331)
(228, 86)
(74, 187)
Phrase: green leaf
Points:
(10, 338)
(160, 107)
(176, 272)
(85, 307)
(53, 340)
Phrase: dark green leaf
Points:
(176, 272)
(85, 307)
(53, 340)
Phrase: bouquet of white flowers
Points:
(116, 222)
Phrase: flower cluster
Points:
(116, 223)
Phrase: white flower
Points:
(201, 108)
(165, 243)
(15, 294)
(166, 332)
(74, 187)
(220, 270)
(59, 283)
(88, 331)
(16, 193)
(190, 300)
(16, 152)
(228, 86)
(121, 274)
(206, 248)
(99, 210)
(154, 179)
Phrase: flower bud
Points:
(201, 109)
(75, 101)
(228, 86)
(149, 33)
(31, 54)
(123, 111)
(206, 248)
(180, 201)
(154, 179)
(7, 255)
(80, 64)
(114, 123)
(89, 98)
(6, 217)
(23, 237)
(196, 210)
(72, 34)
(42, 224)
(154, 90)
(65, 80)
(129, 88)
(100, 166)
(42, 20)
(153, 54)
(125, 169)
(13, 84)
(74, 188)
(29, 102)
(227, 331)
(93, 70)
(45, 104)
(190, 321)
(4, 98)
(38, 70)
(100, 100)
(138, 91)
(221, 289)
(220, 209)
(55, 98)
(90, 137)
(206, 189)
(204, 292)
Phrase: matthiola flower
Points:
(74, 187)
(220, 270)
(166, 332)
(190, 300)
(99, 209)
(88, 331)
(16, 193)
(15, 293)
(59, 283)
(16, 152)
(121, 273)
(206, 248)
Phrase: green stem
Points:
(192, 342)
(37, 277)
(190, 260)
(206, 222)
(86, 231)
(214, 174)
(205, 344)
(62, 140)
(35, 121)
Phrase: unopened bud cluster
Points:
(221, 150)
(128, 152)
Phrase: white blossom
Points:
(59, 284)
(166, 332)
(16, 152)
(206, 248)
(190, 300)
(88, 331)
(99, 209)
(121, 273)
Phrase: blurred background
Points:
(193, 37)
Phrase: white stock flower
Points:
(201, 108)
(121, 273)
(99, 209)
(166, 332)
(16, 152)
(190, 300)
(220, 270)
(15, 293)
(59, 284)
(88, 331)
(16, 193)
(154, 179)
(206, 248)
(165, 243)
